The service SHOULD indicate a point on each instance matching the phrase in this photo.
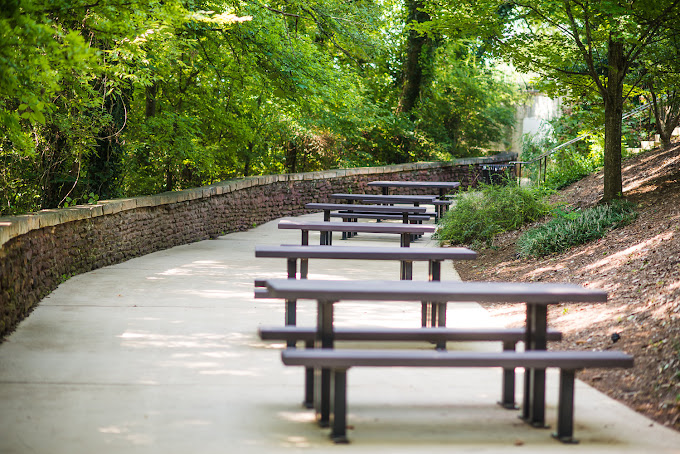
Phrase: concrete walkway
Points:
(160, 355)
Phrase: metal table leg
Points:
(533, 410)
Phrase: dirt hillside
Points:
(639, 265)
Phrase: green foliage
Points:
(137, 97)
(568, 229)
(469, 105)
(591, 48)
(479, 215)
(89, 199)
(573, 162)
(571, 167)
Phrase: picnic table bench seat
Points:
(351, 212)
(509, 337)
(379, 216)
(411, 209)
(327, 228)
(405, 213)
(385, 199)
(365, 252)
(339, 361)
(352, 216)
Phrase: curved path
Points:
(160, 355)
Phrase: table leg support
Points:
(565, 411)
(304, 268)
(322, 401)
(339, 426)
(308, 402)
(323, 379)
(405, 239)
(406, 271)
(508, 394)
(533, 411)
(291, 305)
(438, 310)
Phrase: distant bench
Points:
(351, 212)
(441, 186)
(404, 211)
(339, 361)
(390, 200)
(349, 215)
(327, 229)
(387, 199)
(437, 335)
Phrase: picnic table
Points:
(416, 200)
(444, 187)
(432, 314)
(536, 296)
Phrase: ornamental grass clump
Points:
(477, 216)
(573, 228)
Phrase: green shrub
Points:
(570, 229)
(571, 169)
(479, 215)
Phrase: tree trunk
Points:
(416, 44)
(55, 166)
(291, 156)
(151, 103)
(169, 178)
(247, 159)
(106, 160)
(613, 113)
(667, 115)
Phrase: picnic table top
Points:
(367, 227)
(416, 184)
(381, 290)
(373, 208)
(362, 252)
(386, 198)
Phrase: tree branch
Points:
(586, 52)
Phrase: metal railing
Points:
(543, 158)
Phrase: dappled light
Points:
(637, 264)
(149, 146)
(296, 442)
(633, 252)
(193, 341)
(646, 178)
(135, 439)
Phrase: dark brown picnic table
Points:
(536, 296)
(386, 199)
(443, 187)
(432, 315)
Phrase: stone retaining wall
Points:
(39, 251)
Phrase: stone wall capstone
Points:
(39, 251)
